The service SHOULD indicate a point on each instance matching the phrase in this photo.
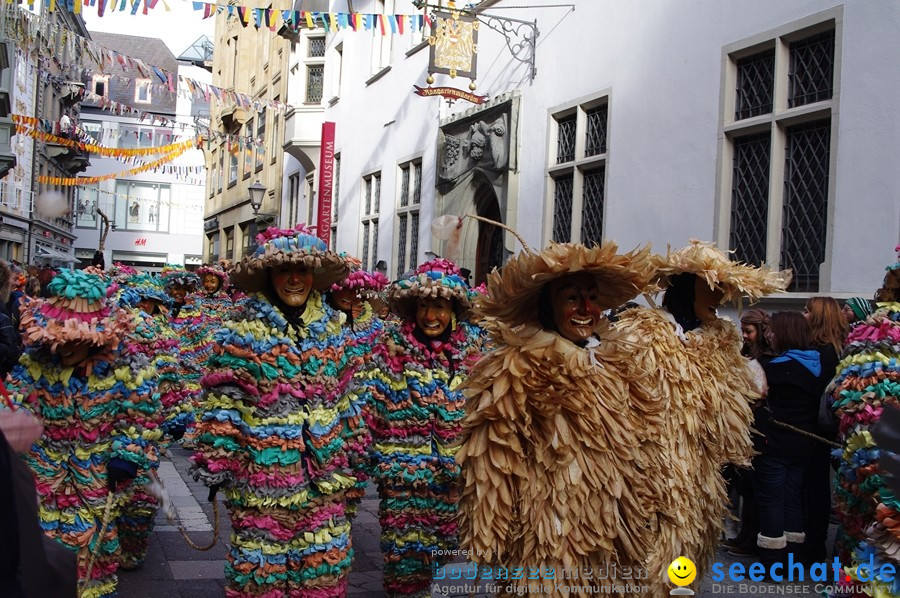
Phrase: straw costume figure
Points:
(270, 430)
(868, 381)
(97, 404)
(557, 476)
(416, 420)
(692, 357)
(364, 332)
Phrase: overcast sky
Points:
(178, 28)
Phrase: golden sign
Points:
(454, 45)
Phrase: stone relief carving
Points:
(483, 144)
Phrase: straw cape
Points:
(710, 387)
(513, 292)
(707, 261)
(554, 460)
(281, 247)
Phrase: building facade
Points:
(765, 127)
(246, 143)
(155, 217)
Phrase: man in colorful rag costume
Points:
(96, 402)
(145, 297)
(557, 480)
(364, 331)
(868, 380)
(270, 432)
(416, 420)
(190, 327)
(690, 356)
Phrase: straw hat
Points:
(707, 261)
(436, 278)
(360, 279)
(78, 310)
(176, 275)
(297, 247)
(513, 293)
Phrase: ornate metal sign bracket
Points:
(520, 35)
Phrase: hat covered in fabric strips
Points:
(120, 271)
(174, 274)
(296, 246)
(78, 310)
(360, 279)
(215, 271)
(143, 286)
(433, 279)
(513, 293)
(710, 263)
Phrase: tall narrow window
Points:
(369, 220)
(577, 171)
(142, 91)
(315, 69)
(408, 216)
(778, 202)
(261, 140)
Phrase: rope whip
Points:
(215, 538)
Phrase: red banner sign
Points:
(326, 183)
(451, 93)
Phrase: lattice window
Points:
(401, 245)
(315, 79)
(562, 209)
(805, 203)
(755, 85)
(565, 140)
(750, 198)
(811, 73)
(596, 131)
(404, 186)
(365, 251)
(413, 239)
(316, 47)
(417, 185)
(592, 207)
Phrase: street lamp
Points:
(257, 190)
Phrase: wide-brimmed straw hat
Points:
(710, 263)
(359, 279)
(433, 279)
(295, 247)
(78, 310)
(513, 293)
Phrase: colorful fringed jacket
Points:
(418, 407)
(270, 428)
(216, 307)
(868, 378)
(90, 416)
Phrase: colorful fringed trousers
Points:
(288, 551)
(418, 533)
(72, 492)
(135, 523)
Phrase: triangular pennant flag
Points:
(400, 19)
(354, 23)
(257, 17)
(309, 19)
(342, 20)
(243, 16)
(382, 25)
(392, 20)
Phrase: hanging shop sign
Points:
(451, 94)
(454, 46)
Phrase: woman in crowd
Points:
(754, 328)
(829, 331)
(270, 433)
(94, 401)
(796, 380)
(416, 422)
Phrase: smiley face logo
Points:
(682, 571)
